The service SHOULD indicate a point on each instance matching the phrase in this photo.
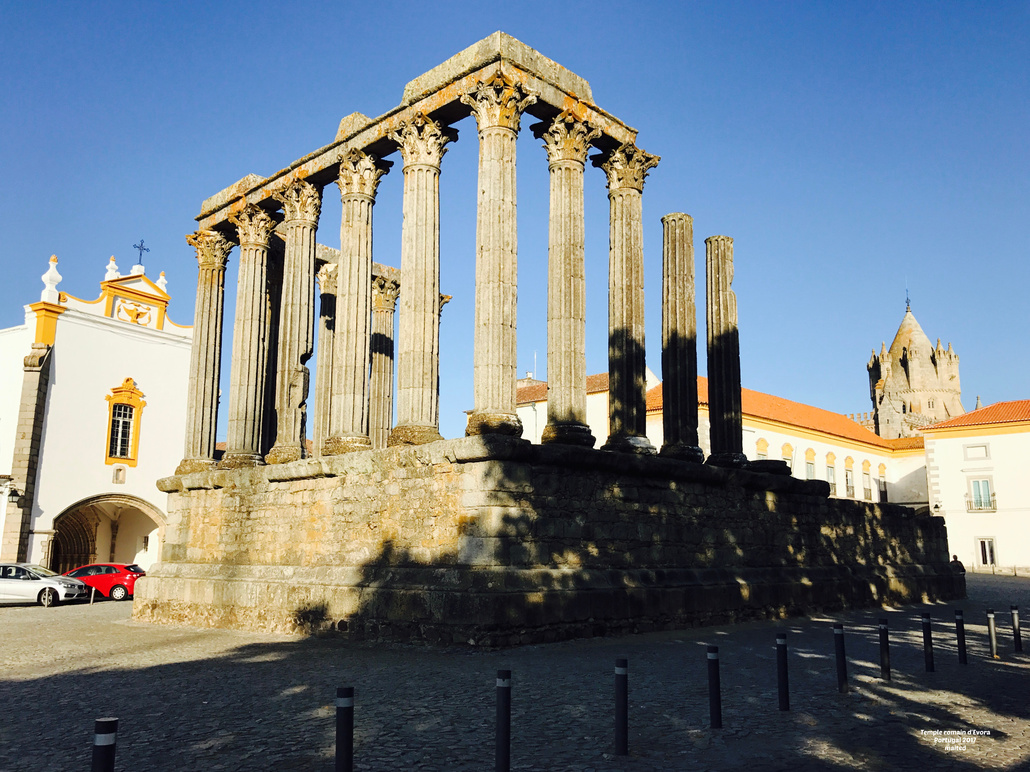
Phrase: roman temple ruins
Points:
(385, 528)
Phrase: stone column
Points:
(250, 342)
(385, 289)
(206, 356)
(421, 142)
(358, 180)
(325, 359)
(626, 169)
(567, 142)
(302, 203)
(725, 422)
(273, 305)
(498, 107)
(679, 340)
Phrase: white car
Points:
(34, 584)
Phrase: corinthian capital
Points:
(627, 166)
(326, 277)
(212, 248)
(422, 141)
(499, 102)
(384, 293)
(360, 173)
(254, 225)
(566, 139)
(301, 201)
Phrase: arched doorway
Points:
(107, 529)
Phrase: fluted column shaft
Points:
(384, 302)
(626, 169)
(358, 180)
(206, 352)
(250, 342)
(301, 204)
(725, 421)
(567, 142)
(679, 339)
(421, 144)
(497, 106)
(327, 327)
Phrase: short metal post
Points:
(992, 633)
(885, 651)
(502, 752)
(927, 644)
(1017, 640)
(92, 592)
(842, 665)
(714, 688)
(345, 729)
(781, 671)
(960, 634)
(621, 707)
(105, 733)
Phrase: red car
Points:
(113, 580)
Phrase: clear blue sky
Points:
(849, 149)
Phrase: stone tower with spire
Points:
(913, 383)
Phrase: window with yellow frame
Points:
(124, 412)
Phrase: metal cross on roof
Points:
(141, 249)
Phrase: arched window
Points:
(831, 472)
(867, 481)
(762, 448)
(125, 410)
(787, 454)
(810, 464)
(849, 477)
(882, 483)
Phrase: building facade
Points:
(92, 405)
(977, 470)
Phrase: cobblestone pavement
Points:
(191, 699)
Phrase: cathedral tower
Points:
(913, 383)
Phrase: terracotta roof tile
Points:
(998, 413)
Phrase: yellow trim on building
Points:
(126, 394)
(46, 321)
(1012, 427)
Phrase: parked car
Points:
(113, 580)
(34, 584)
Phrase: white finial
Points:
(50, 281)
(112, 270)
(162, 282)
(137, 270)
(979, 404)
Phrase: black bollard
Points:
(927, 644)
(1017, 640)
(714, 688)
(842, 665)
(885, 651)
(105, 732)
(960, 634)
(621, 707)
(345, 729)
(781, 671)
(502, 753)
(992, 634)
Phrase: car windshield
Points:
(41, 571)
(134, 569)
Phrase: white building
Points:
(815, 443)
(978, 467)
(92, 405)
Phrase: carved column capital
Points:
(301, 201)
(326, 277)
(254, 225)
(360, 173)
(498, 103)
(627, 167)
(566, 139)
(384, 293)
(422, 141)
(212, 248)
(444, 300)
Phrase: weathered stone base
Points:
(284, 454)
(194, 465)
(683, 452)
(240, 460)
(728, 460)
(568, 433)
(335, 446)
(492, 541)
(413, 434)
(507, 424)
(629, 443)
